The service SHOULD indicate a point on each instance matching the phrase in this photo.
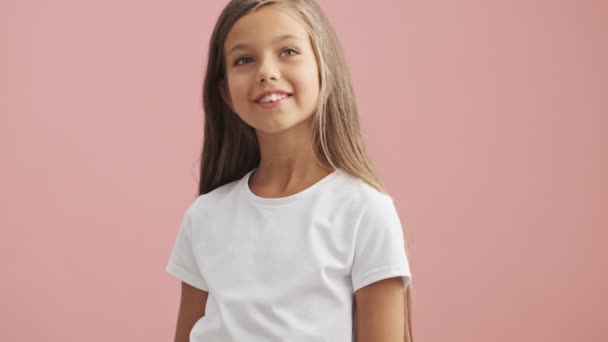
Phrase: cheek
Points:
(238, 91)
(308, 86)
(311, 75)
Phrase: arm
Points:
(191, 309)
(380, 311)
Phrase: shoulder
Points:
(214, 200)
(361, 195)
(359, 203)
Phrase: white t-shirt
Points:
(286, 269)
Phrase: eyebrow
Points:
(277, 39)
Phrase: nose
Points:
(268, 70)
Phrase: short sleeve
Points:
(182, 261)
(379, 245)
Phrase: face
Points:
(270, 49)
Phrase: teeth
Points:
(272, 98)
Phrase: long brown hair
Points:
(230, 146)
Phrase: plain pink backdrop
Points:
(487, 120)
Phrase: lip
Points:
(273, 104)
(271, 91)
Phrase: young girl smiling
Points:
(292, 236)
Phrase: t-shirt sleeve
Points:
(182, 262)
(379, 245)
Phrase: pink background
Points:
(487, 119)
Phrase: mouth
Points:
(273, 104)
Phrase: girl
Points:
(292, 236)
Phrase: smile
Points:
(273, 104)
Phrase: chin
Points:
(277, 124)
(270, 128)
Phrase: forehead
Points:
(263, 26)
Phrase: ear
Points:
(225, 93)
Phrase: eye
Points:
(290, 49)
(240, 59)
